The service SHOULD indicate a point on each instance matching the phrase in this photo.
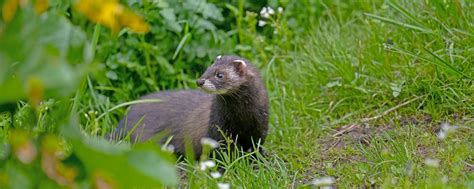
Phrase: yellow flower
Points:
(134, 22)
(111, 14)
(9, 9)
(41, 6)
(35, 89)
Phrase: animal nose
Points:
(200, 82)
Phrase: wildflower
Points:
(326, 187)
(51, 156)
(432, 162)
(41, 6)
(206, 164)
(9, 9)
(280, 10)
(265, 12)
(215, 175)
(445, 179)
(270, 11)
(35, 90)
(22, 146)
(444, 130)
(223, 185)
(442, 135)
(261, 23)
(168, 148)
(112, 14)
(209, 142)
(323, 181)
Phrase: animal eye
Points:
(219, 75)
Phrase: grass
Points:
(362, 71)
(363, 97)
(359, 94)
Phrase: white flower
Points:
(280, 10)
(445, 129)
(323, 181)
(209, 142)
(215, 175)
(326, 187)
(432, 162)
(263, 11)
(169, 148)
(261, 23)
(266, 15)
(445, 126)
(442, 135)
(206, 164)
(445, 179)
(270, 10)
(223, 185)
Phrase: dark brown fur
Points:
(240, 109)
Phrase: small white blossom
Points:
(270, 10)
(209, 142)
(266, 15)
(263, 11)
(326, 187)
(223, 185)
(323, 181)
(442, 135)
(206, 164)
(445, 129)
(445, 179)
(432, 162)
(261, 23)
(280, 10)
(445, 126)
(168, 148)
(215, 175)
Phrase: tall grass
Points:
(362, 96)
(377, 65)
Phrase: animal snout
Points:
(200, 82)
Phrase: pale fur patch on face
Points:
(211, 88)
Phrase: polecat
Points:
(235, 101)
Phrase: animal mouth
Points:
(210, 88)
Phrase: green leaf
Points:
(154, 166)
(127, 167)
(170, 20)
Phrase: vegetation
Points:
(363, 93)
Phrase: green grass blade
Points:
(398, 23)
(181, 45)
(128, 104)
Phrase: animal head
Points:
(225, 75)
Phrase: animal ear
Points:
(240, 66)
